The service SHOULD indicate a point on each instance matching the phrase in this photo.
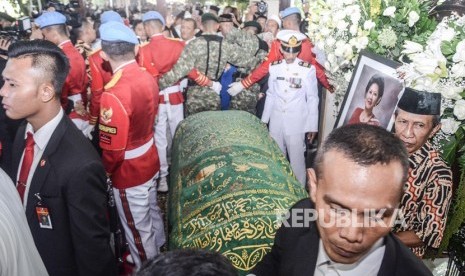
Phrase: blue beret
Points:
(289, 11)
(110, 16)
(116, 31)
(153, 15)
(50, 18)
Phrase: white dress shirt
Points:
(41, 138)
(368, 265)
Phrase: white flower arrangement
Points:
(342, 28)
(439, 66)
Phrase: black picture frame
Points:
(368, 65)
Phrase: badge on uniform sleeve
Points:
(44, 217)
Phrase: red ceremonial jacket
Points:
(101, 73)
(305, 54)
(76, 82)
(127, 116)
(160, 55)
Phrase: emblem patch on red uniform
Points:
(108, 129)
(106, 114)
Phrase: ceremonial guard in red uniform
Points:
(100, 71)
(74, 92)
(158, 57)
(128, 107)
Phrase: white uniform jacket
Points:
(292, 97)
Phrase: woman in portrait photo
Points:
(373, 93)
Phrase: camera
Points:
(20, 30)
(262, 8)
(73, 18)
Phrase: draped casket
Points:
(229, 185)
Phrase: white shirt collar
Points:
(371, 262)
(43, 134)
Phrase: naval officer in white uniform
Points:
(291, 107)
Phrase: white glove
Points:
(216, 87)
(235, 88)
(88, 131)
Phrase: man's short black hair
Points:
(365, 145)
(118, 50)
(46, 57)
(188, 262)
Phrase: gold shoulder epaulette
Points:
(276, 62)
(305, 64)
(114, 79)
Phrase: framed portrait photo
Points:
(373, 92)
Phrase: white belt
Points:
(139, 151)
(170, 90)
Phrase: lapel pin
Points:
(42, 162)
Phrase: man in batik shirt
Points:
(428, 190)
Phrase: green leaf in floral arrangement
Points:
(460, 133)
(461, 161)
(446, 48)
(396, 52)
(449, 149)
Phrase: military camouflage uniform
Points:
(209, 54)
(246, 100)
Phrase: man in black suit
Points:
(60, 177)
(344, 229)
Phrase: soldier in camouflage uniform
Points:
(209, 54)
(247, 99)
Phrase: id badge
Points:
(44, 217)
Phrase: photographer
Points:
(255, 10)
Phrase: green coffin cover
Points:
(229, 184)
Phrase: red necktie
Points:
(26, 165)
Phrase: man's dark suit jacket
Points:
(295, 252)
(70, 179)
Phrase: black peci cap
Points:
(420, 102)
